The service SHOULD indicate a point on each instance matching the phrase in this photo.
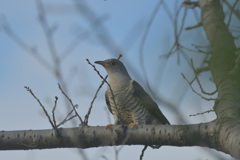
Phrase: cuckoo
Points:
(127, 100)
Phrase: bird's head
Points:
(115, 69)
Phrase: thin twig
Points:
(190, 84)
(53, 111)
(198, 81)
(143, 150)
(66, 119)
(177, 33)
(208, 111)
(91, 105)
(95, 96)
(45, 111)
(47, 30)
(74, 106)
(236, 12)
(192, 50)
(202, 69)
(113, 98)
(194, 26)
(232, 10)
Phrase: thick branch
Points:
(86, 137)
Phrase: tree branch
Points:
(87, 137)
(73, 106)
(203, 134)
(43, 108)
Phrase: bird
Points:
(127, 100)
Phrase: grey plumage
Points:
(133, 103)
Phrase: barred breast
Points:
(129, 108)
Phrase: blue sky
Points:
(125, 22)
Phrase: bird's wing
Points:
(147, 101)
(107, 102)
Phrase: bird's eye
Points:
(113, 63)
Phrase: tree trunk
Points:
(226, 75)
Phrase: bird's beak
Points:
(101, 63)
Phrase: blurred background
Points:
(45, 42)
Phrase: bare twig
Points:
(194, 26)
(208, 111)
(202, 69)
(190, 84)
(73, 106)
(95, 96)
(143, 150)
(236, 12)
(45, 111)
(177, 33)
(66, 119)
(113, 98)
(192, 50)
(198, 81)
(52, 122)
(47, 30)
(232, 10)
(53, 111)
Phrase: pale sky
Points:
(125, 23)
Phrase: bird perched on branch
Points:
(127, 100)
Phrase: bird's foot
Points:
(109, 125)
(133, 124)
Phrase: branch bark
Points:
(226, 76)
(87, 137)
(203, 134)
